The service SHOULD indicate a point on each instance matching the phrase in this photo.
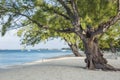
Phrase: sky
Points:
(12, 41)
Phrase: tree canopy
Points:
(48, 17)
(54, 16)
(52, 13)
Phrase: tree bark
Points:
(113, 50)
(94, 57)
(93, 54)
(75, 49)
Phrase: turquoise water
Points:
(17, 57)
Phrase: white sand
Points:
(68, 68)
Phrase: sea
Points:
(18, 57)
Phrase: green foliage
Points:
(10, 10)
(93, 12)
(111, 36)
(6, 25)
(51, 13)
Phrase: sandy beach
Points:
(66, 68)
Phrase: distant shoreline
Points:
(39, 49)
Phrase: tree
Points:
(88, 19)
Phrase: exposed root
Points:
(106, 67)
(100, 65)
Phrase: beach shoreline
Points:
(106, 55)
(17, 57)
(66, 67)
(36, 61)
(61, 68)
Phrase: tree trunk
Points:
(75, 49)
(113, 50)
(94, 57)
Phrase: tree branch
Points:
(76, 19)
(56, 11)
(103, 27)
(75, 10)
(68, 30)
(63, 15)
(68, 10)
(34, 21)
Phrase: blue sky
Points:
(11, 41)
